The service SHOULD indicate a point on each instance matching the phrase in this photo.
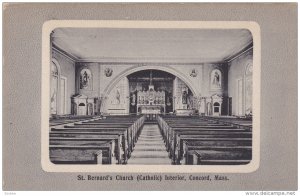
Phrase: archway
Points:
(55, 88)
(181, 97)
(137, 68)
(151, 87)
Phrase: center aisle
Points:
(150, 148)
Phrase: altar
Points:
(151, 101)
(149, 109)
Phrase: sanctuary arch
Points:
(150, 90)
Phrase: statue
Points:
(184, 97)
(133, 99)
(118, 96)
(53, 102)
(216, 79)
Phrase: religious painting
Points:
(85, 79)
(216, 79)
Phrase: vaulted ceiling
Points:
(151, 45)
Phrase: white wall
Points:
(236, 72)
(67, 67)
(117, 102)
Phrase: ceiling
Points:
(151, 45)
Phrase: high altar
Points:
(151, 101)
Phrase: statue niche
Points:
(216, 79)
(184, 97)
(85, 79)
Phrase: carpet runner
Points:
(150, 148)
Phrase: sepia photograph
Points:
(151, 95)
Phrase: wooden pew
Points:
(71, 141)
(177, 143)
(172, 135)
(177, 131)
(237, 122)
(59, 120)
(130, 133)
(120, 149)
(64, 154)
(134, 126)
(121, 130)
(132, 130)
(192, 143)
(245, 138)
(99, 132)
(133, 122)
(204, 155)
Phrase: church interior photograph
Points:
(150, 96)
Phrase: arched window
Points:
(248, 88)
(58, 90)
(54, 88)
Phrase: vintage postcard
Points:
(145, 96)
(128, 96)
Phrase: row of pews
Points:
(60, 120)
(195, 140)
(245, 122)
(109, 140)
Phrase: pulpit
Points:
(82, 105)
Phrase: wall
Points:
(199, 82)
(67, 67)
(117, 102)
(237, 73)
(106, 76)
(179, 86)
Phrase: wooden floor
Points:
(150, 148)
